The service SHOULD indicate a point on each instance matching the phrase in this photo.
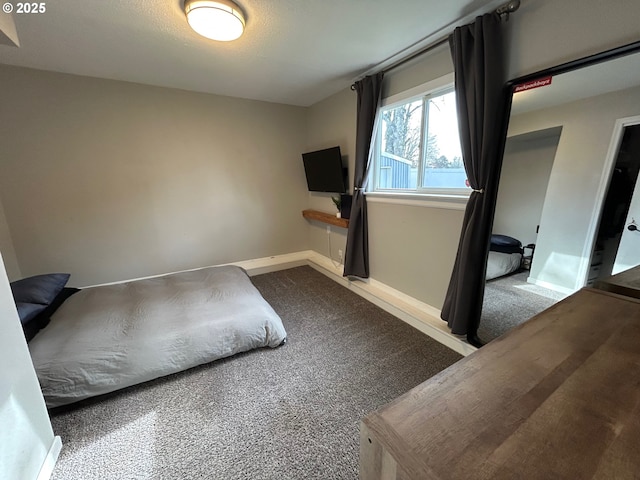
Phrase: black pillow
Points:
(505, 244)
(42, 318)
(28, 311)
(40, 289)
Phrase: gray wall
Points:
(110, 180)
(6, 248)
(564, 244)
(544, 33)
(331, 123)
(413, 248)
(526, 168)
(405, 250)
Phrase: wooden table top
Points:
(625, 283)
(556, 398)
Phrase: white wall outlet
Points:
(340, 254)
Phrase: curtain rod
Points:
(504, 9)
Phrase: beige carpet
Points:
(510, 301)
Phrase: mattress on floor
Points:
(109, 337)
(500, 264)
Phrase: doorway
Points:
(617, 247)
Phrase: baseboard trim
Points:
(255, 266)
(274, 263)
(46, 471)
(551, 286)
(419, 315)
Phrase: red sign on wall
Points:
(540, 82)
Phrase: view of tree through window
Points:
(419, 147)
(402, 131)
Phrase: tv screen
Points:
(324, 170)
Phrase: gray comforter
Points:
(110, 337)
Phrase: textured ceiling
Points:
(293, 51)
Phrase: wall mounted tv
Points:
(324, 171)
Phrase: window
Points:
(417, 146)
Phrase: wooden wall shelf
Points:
(325, 218)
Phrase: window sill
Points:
(448, 202)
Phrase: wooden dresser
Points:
(556, 398)
(625, 283)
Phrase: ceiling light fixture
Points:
(215, 19)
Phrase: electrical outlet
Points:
(340, 254)
(328, 228)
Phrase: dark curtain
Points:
(356, 258)
(478, 58)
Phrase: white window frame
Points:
(455, 198)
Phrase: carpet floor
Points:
(287, 413)
(510, 301)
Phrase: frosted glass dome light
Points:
(215, 19)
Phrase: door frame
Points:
(603, 187)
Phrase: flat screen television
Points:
(324, 171)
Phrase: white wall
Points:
(110, 180)
(6, 247)
(25, 431)
(526, 168)
(413, 248)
